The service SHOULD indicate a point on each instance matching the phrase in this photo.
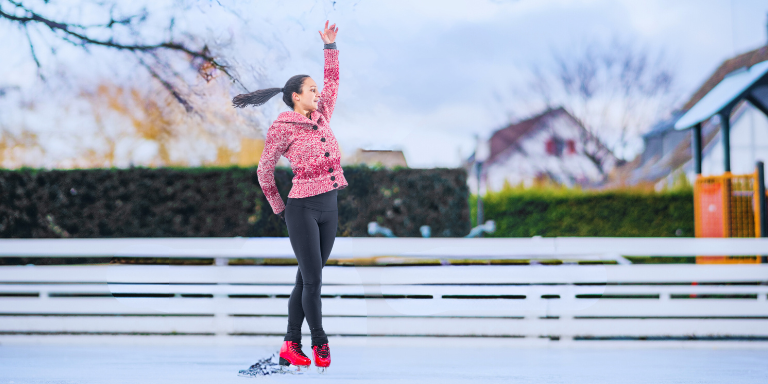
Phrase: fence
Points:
(553, 289)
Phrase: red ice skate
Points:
(322, 357)
(291, 354)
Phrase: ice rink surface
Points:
(82, 364)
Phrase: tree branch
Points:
(34, 55)
(84, 39)
(168, 86)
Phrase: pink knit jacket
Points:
(308, 144)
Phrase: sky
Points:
(425, 76)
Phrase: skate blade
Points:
(254, 374)
(244, 373)
(322, 370)
(294, 369)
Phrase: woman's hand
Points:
(329, 34)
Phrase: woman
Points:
(305, 138)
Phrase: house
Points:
(551, 146)
(382, 158)
(668, 153)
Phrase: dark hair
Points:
(261, 96)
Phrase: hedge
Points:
(218, 202)
(540, 212)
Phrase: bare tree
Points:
(120, 32)
(614, 90)
(184, 108)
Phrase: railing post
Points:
(727, 181)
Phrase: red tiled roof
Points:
(506, 137)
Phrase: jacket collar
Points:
(299, 119)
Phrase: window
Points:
(555, 146)
(551, 148)
(570, 146)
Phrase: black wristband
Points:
(330, 46)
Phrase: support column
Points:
(725, 130)
(697, 147)
(761, 209)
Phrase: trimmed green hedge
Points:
(225, 202)
(542, 212)
(218, 202)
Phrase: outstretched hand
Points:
(329, 34)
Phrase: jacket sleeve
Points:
(330, 83)
(275, 145)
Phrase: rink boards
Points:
(555, 302)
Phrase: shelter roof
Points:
(744, 60)
(734, 87)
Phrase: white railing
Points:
(349, 247)
(567, 302)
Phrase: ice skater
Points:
(304, 136)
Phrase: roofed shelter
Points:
(668, 153)
(750, 84)
(729, 205)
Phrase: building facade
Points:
(552, 146)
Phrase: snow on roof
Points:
(743, 60)
(732, 88)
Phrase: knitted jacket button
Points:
(330, 169)
(314, 127)
(327, 154)
(322, 139)
(335, 185)
(333, 178)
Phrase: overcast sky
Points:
(421, 75)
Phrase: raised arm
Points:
(275, 145)
(331, 72)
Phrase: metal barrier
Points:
(730, 206)
(725, 206)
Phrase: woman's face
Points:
(308, 98)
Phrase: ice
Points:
(107, 364)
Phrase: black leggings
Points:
(312, 223)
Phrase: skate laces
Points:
(296, 348)
(323, 351)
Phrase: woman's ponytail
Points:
(293, 85)
(255, 98)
